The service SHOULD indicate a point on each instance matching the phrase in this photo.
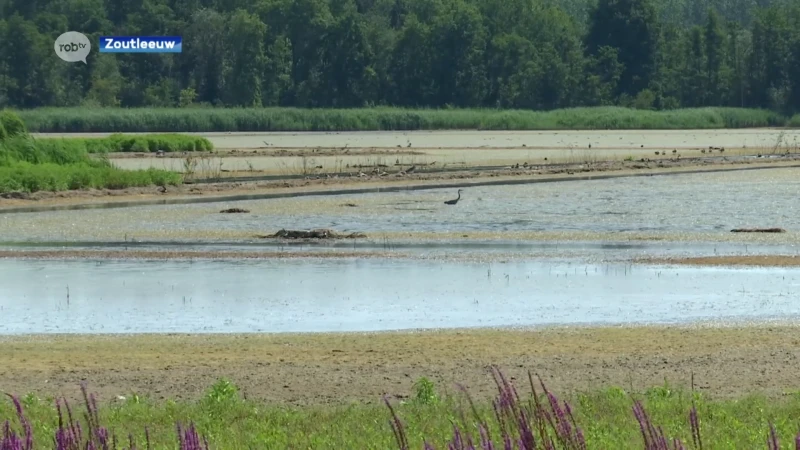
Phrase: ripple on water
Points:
(674, 204)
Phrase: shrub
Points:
(11, 125)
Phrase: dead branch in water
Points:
(234, 210)
(320, 233)
(758, 230)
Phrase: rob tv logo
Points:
(72, 47)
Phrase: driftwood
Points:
(320, 233)
(758, 230)
(234, 210)
(17, 195)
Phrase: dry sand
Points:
(337, 368)
(481, 139)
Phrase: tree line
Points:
(529, 54)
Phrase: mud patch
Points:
(340, 368)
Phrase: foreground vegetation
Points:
(31, 165)
(659, 419)
(294, 119)
(522, 54)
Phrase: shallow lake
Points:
(686, 203)
(370, 295)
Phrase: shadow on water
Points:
(372, 295)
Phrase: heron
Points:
(454, 201)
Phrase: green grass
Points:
(27, 177)
(295, 119)
(794, 121)
(31, 165)
(604, 416)
(147, 143)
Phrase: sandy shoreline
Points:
(334, 368)
(133, 254)
(183, 255)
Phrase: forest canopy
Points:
(527, 54)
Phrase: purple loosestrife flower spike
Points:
(26, 425)
(486, 442)
(397, 427)
(772, 441)
(10, 439)
(695, 422)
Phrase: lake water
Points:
(313, 295)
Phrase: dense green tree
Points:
(245, 62)
(538, 54)
(631, 27)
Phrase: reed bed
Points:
(120, 143)
(659, 419)
(153, 120)
(31, 165)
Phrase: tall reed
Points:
(117, 120)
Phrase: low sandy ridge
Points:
(322, 184)
(325, 368)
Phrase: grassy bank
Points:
(604, 419)
(31, 165)
(294, 119)
(148, 143)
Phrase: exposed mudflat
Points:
(377, 180)
(339, 368)
(461, 139)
